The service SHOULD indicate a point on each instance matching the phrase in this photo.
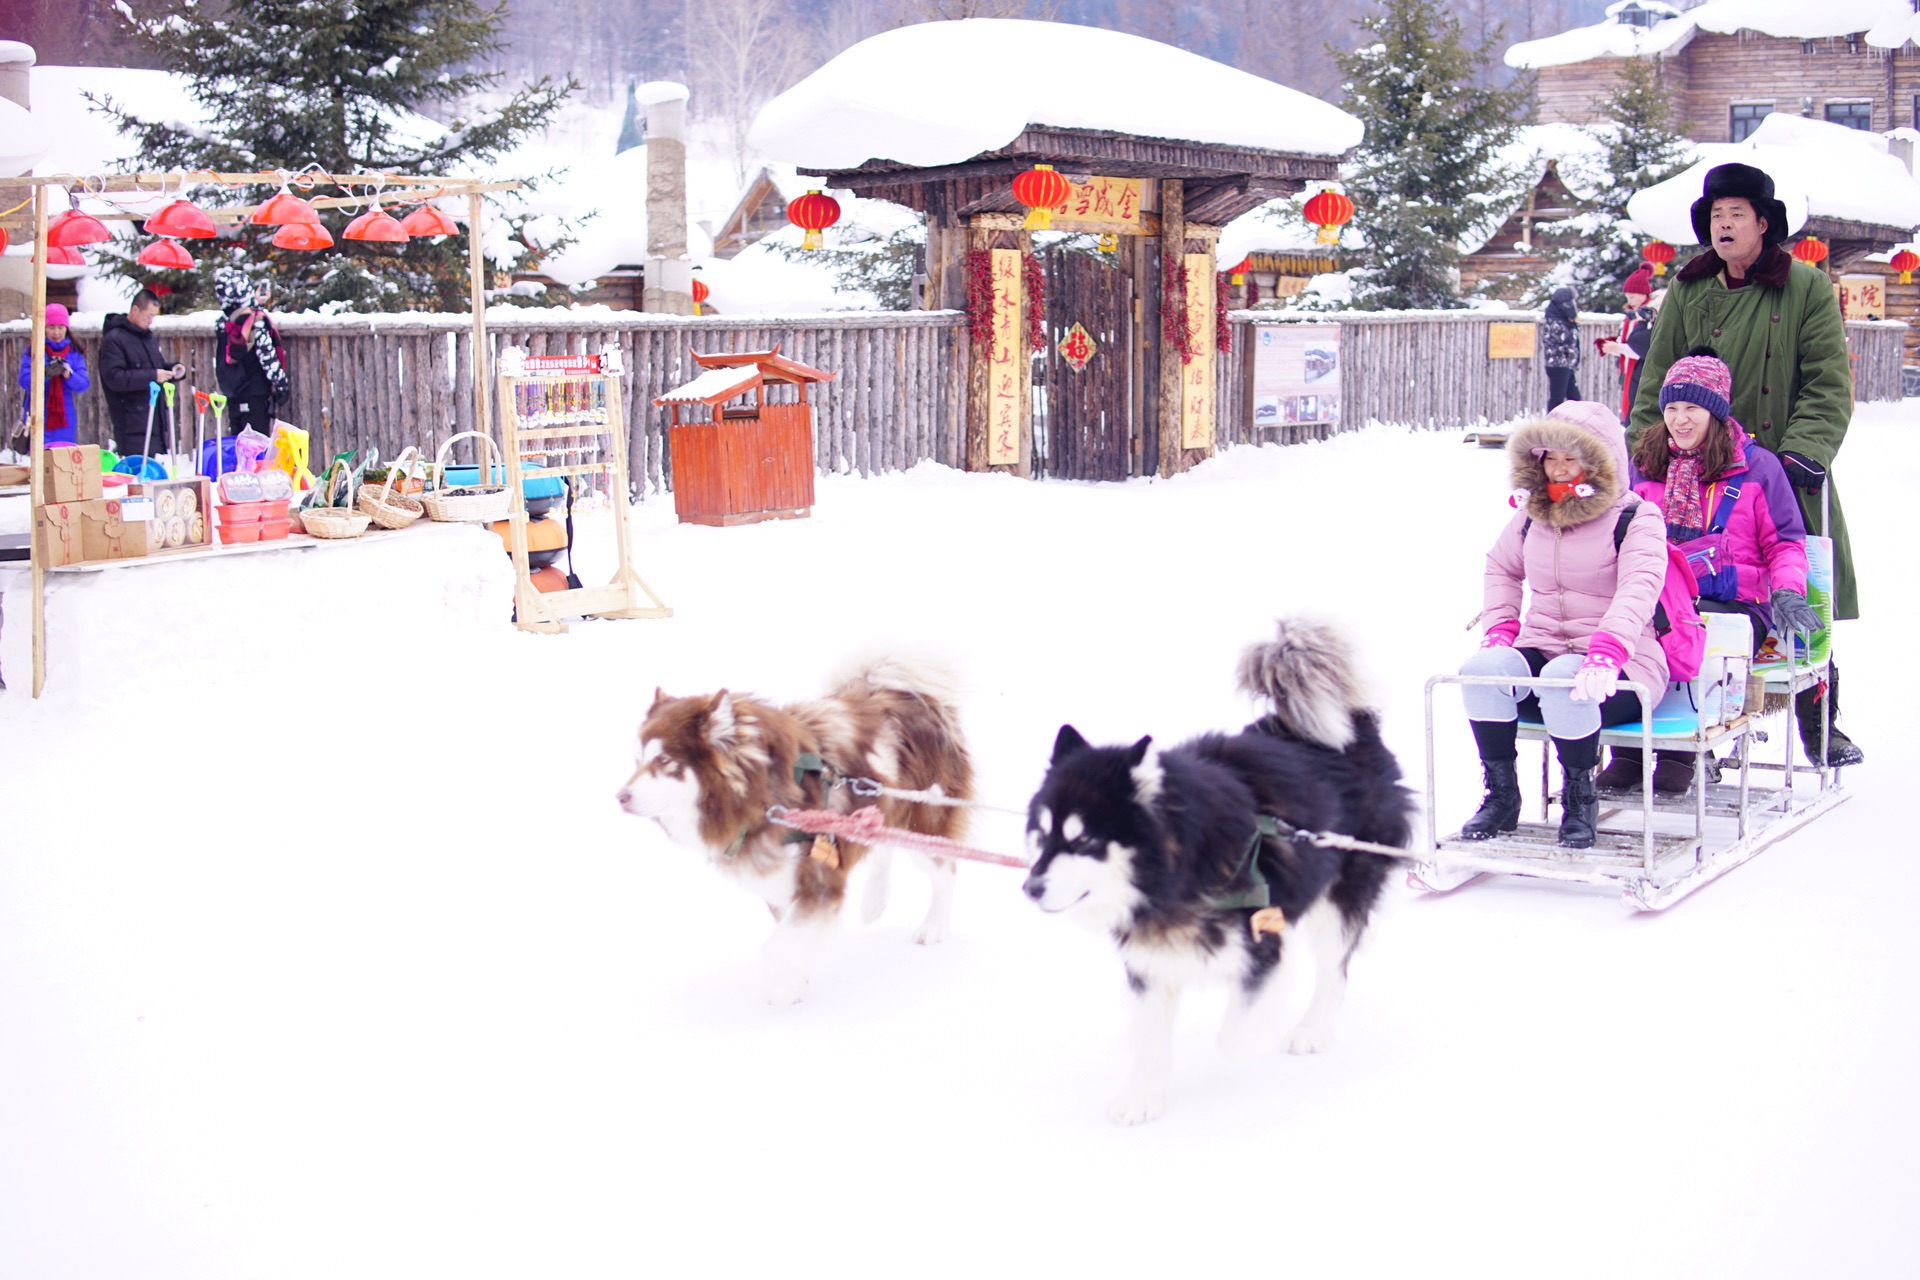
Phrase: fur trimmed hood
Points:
(1591, 433)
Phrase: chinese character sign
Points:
(1196, 376)
(1003, 369)
(1109, 201)
(1077, 347)
(1863, 297)
(1296, 374)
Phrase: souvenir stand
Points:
(566, 413)
(149, 192)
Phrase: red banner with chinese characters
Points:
(561, 364)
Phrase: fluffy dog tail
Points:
(1307, 672)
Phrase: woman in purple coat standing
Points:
(1730, 508)
(1589, 619)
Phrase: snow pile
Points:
(1609, 39)
(1818, 169)
(942, 92)
(1888, 24)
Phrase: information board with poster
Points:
(1296, 374)
(1863, 297)
(1512, 341)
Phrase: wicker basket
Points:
(391, 510)
(484, 503)
(328, 521)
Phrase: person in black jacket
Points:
(1560, 345)
(130, 359)
(248, 358)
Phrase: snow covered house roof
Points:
(1819, 170)
(939, 93)
(1888, 24)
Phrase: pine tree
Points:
(1429, 168)
(288, 84)
(1599, 246)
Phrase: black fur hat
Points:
(1741, 182)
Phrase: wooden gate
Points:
(1087, 425)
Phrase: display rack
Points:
(567, 412)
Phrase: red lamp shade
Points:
(62, 257)
(183, 220)
(428, 221)
(1659, 253)
(302, 235)
(813, 213)
(378, 226)
(1042, 190)
(1237, 273)
(1329, 211)
(1904, 262)
(1811, 251)
(3, 239)
(285, 209)
(74, 228)
(168, 255)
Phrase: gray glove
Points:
(1791, 613)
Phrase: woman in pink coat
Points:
(1589, 617)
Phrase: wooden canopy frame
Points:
(159, 185)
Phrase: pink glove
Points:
(1599, 676)
(1501, 634)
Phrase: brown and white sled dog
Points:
(711, 765)
(1167, 852)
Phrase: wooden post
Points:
(37, 438)
(1172, 245)
(477, 278)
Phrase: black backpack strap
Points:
(1661, 623)
(1528, 524)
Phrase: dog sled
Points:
(1656, 849)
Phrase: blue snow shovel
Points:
(142, 467)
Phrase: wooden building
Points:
(1725, 76)
(1512, 261)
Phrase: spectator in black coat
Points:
(1560, 343)
(130, 359)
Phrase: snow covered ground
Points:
(325, 952)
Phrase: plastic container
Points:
(245, 512)
(274, 530)
(240, 532)
(273, 508)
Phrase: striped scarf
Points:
(1685, 518)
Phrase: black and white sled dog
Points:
(1175, 852)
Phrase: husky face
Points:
(664, 789)
(1083, 837)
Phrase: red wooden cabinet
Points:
(748, 463)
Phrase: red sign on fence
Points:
(561, 364)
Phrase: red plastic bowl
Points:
(240, 532)
(274, 530)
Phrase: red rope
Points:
(866, 826)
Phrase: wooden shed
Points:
(747, 462)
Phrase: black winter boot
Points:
(1579, 809)
(1500, 811)
(1625, 772)
(1809, 705)
(1672, 773)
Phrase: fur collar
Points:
(1770, 270)
(1530, 473)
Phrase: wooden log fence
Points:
(390, 381)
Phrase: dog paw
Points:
(1133, 1108)
(930, 934)
(1310, 1039)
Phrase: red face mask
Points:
(1559, 492)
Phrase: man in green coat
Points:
(1777, 325)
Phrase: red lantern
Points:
(74, 228)
(428, 221)
(183, 220)
(283, 210)
(303, 236)
(1042, 190)
(167, 255)
(1659, 253)
(1904, 262)
(813, 213)
(1237, 273)
(1329, 211)
(3, 239)
(700, 291)
(1811, 251)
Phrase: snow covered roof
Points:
(1888, 24)
(939, 93)
(1275, 227)
(1819, 170)
(712, 386)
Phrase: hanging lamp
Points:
(376, 225)
(429, 221)
(74, 228)
(303, 236)
(284, 209)
(182, 220)
(167, 255)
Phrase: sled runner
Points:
(1658, 848)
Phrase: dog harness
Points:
(803, 764)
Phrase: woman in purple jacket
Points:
(1730, 508)
(1589, 619)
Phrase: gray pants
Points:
(1564, 717)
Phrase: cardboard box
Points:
(59, 534)
(72, 472)
(106, 533)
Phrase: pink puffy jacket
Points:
(1579, 584)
